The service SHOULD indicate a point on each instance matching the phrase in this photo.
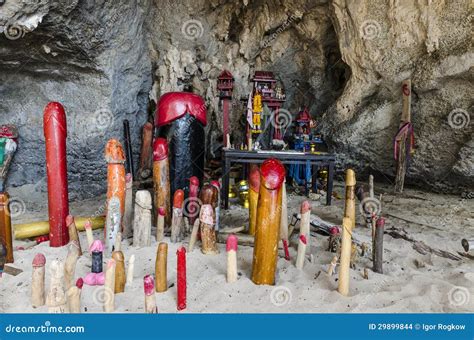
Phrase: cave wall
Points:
(108, 61)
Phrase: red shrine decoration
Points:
(267, 93)
(225, 86)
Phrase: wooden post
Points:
(73, 233)
(142, 219)
(130, 270)
(161, 270)
(378, 250)
(109, 286)
(37, 281)
(56, 299)
(254, 184)
(90, 236)
(128, 212)
(304, 239)
(403, 138)
(55, 133)
(150, 300)
(346, 246)
(74, 297)
(115, 158)
(231, 248)
(349, 207)
(6, 226)
(161, 177)
(146, 151)
(181, 278)
(284, 221)
(267, 232)
(177, 219)
(70, 263)
(112, 223)
(119, 286)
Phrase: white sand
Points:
(442, 285)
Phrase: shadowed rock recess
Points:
(110, 60)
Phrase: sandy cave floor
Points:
(412, 282)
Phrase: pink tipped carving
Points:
(39, 260)
(305, 207)
(161, 211)
(216, 184)
(97, 246)
(231, 243)
(194, 181)
(88, 224)
(69, 220)
(303, 239)
(79, 283)
(334, 230)
(380, 222)
(149, 285)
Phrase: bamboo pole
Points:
(402, 153)
(150, 299)
(378, 250)
(161, 269)
(37, 281)
(344, 266)
(267, 232)
(254, 184)
(349, 207)
(40, 228)
(231, 248)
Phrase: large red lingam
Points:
(181, 118)
(55, 132)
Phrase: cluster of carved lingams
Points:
(193, 212)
